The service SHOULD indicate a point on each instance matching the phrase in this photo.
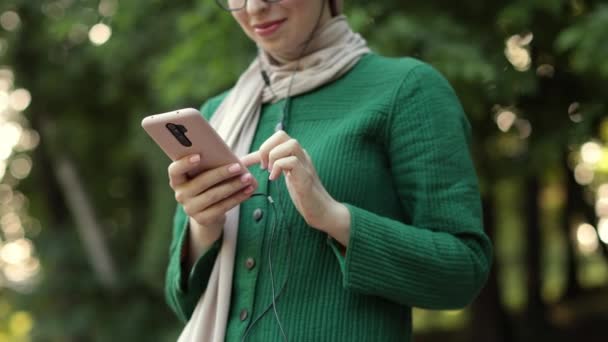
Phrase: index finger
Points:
(251, 159)
(276, 139)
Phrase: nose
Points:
(256, 6)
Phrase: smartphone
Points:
(184, 132)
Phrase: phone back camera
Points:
(179, 132)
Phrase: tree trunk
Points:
(573, 196)
(86, 223)
(81, 209)
(536, 324)
(491, 322)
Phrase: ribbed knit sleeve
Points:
(183, 286)
(441, 258)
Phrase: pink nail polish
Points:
(234, 168)
(195, 159)
(246, 178)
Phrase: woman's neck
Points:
(307, 47)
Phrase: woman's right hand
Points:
(208, 196)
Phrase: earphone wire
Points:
(273, 304)
(283, 122)
(287, 110)
(287, 103)
(276, 296)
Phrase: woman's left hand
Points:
(283, 154)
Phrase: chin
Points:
(282, 44)
(276, 49)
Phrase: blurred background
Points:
(85, 208)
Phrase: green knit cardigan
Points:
(390, 141)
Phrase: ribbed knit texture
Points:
(389, 140)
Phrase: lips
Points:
(269, 27)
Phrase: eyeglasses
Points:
(236, 5)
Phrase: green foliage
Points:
(88, 101)
(586, 41)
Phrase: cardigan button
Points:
(244, 314)
(250, 263)
(258, 214)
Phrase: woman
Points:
(365, 202)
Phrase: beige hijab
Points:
(333, 51)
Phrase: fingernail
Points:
(249, 190)
(246, 178)
(262, 166)
(195, 159)
(235, 168)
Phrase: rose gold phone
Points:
(184, 132)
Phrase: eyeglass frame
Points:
(332, 4)
(219, 3)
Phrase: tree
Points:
(531, 76)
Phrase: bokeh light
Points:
(524, 127)
(19, 201)
(4, 100)
(6, 194)
(517, 51)
(100, 33)
(573, 112)
(10, 134)
(20, 167)
(20, 99)
(22, 273)
(16, 252)
(29, 141)
(601, 207)
(10, 20)
(602, 191)
(505, 120)
(602, 229)
(591, 153)
(6, 80)
(587, 238)
(19, 266)
(11, 223)
(584, 174)
(5, 150)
